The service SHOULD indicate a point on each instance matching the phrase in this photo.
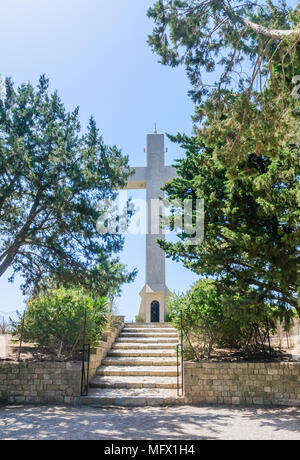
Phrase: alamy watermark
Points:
(155, 217)
(2, 88)
(296, 88)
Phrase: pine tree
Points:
(52, 178)
(251, 244)
(244, 158)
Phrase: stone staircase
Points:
(139, 370)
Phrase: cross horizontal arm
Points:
(170, 173)
(138, 180)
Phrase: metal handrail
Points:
(180, 391)
(180, 345)
(86, 354)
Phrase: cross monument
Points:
(152, 178)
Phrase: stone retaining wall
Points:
(242, 383)
(99, 353)
(39, 382)
(51, 382)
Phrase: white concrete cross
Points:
(152, 178)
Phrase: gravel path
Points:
(173, 423)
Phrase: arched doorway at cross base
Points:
(155, 311)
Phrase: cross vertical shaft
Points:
(152, 178)
(155, 256)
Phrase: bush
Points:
(139, 319)
(168, 318)
(207, 324)
(55, 321)
(200, 314)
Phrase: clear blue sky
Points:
(96, 55)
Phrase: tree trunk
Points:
(8, 261)
(20, 238)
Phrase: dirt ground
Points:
(9, 350)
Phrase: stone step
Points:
(131, 397)
(149, 325)
(156, 335)
(146, 340)
(139, 361)
(161, 353)
(143, 346)
(145, 371)
(148, 330)
(135, 382)
(139, 370)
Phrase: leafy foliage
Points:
(253, 52)
(243, 160)
(234, 40)
(207, 322)
(55, 321)
(251, 225)
(139, 319)
(51, 180)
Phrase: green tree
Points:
(244, 158)
(52, 178)
(235, 40)
(251, 244)
(242, 60)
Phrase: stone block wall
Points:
(51, 382)
(47, 382)
(242, 383)
(99, 353)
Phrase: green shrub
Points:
(168, 318)
(208, 324)
(139, 319)
(55, 321)
(200, 314)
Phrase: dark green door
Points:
(155, 312)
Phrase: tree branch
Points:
(273, 33)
